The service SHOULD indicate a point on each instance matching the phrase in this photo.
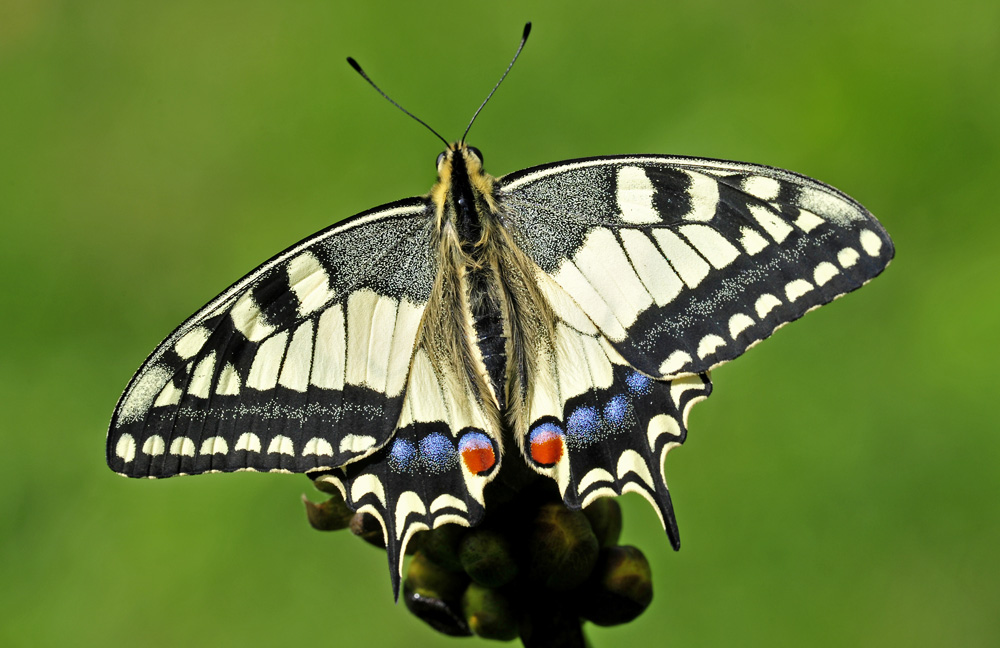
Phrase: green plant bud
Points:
(489, 613)
(439, 614)
(486, 557)
(621, 587)
(432, 594)
(427, 576)
(562, 548)
(331, 515)
(441, 545)
(413, 546)
(367, 527)
(605, 517)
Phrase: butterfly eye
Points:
(440, 159)
(477, 153)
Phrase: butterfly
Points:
(565, 316)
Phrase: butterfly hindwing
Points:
(684, 263)
(598, 426)
(617, 440)
(433, 472)
(423, 478)
(301, 365)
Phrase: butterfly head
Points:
(471, 157)
(462, 183)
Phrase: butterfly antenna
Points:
(357, 68)
(524, 39)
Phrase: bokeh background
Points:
(842, 485)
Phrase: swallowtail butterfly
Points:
(565, 316)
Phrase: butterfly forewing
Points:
(684, 263)
(300, 365)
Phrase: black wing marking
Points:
(685, 263)
(299, 366)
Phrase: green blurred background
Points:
(842, 486)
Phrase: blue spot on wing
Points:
(437, 453)
(583, 426)
(639, 383)
(544, 430)
(474, 441)
(616, 410)
(402, 456)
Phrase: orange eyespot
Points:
(477, 452)
(546, 444)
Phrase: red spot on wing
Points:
(546, 448)
(478, 458)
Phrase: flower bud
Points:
(620, 589)
(489, 613)
(605, 517)
(562, 548)
(441, 545)
(367, 527)
(486, 557)
(428, 577)
(432, 594)
(331, 515)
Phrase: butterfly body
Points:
(565, 316)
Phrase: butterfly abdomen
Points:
(490, 337)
